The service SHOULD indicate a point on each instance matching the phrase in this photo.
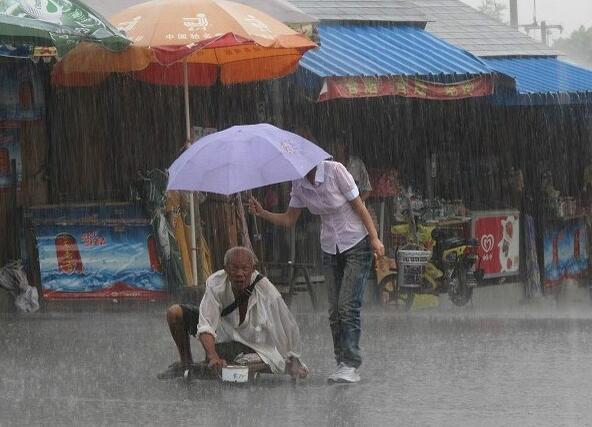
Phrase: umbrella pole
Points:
(186, 96)
(192, 207)
(382, 220)
(258, 238)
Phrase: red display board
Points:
(498, 234)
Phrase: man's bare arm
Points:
(209, 344)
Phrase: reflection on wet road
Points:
(448, 367)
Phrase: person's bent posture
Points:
(242, 318)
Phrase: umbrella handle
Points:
(256, 235)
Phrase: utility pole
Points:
(514, 13)
(543, 26)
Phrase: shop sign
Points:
(566, 250)
(366, 87)
(498, 236)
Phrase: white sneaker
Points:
(345, 374)
(334, 375)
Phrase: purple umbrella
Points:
(243, 158)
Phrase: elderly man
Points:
(241, 316)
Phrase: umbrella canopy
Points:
(281, 10)
(243, 158)
(56, 23)
(215, 38)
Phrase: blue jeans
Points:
(345, 275)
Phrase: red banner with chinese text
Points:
(366, 87)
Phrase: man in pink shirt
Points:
(348, 239)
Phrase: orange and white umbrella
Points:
(190, 42)
(217, 39)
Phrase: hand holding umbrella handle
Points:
(255, 207)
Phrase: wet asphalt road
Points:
(437, 367)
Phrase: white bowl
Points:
(235, 374)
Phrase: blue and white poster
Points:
(99, 261)
(566, 250)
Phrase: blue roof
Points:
(543, 75)
(358, 49)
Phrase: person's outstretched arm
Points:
(209, 320)
(285, 219)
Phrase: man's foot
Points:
(296, 368)
(175, 370)
(344, 374)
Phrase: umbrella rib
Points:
(217, 60)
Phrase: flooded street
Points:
(478, 365)
(438, 152)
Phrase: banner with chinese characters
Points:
(566, 250)
(99, 256)
(366, 87)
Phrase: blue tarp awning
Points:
(349, 50)
(546, 75)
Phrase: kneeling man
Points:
(242, 316)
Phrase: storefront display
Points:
(96, 251)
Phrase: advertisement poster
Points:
(99, 261)
(498, 235)
(21, 91)
(566, 250)
(10, 149)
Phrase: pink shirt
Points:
(329, 197)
